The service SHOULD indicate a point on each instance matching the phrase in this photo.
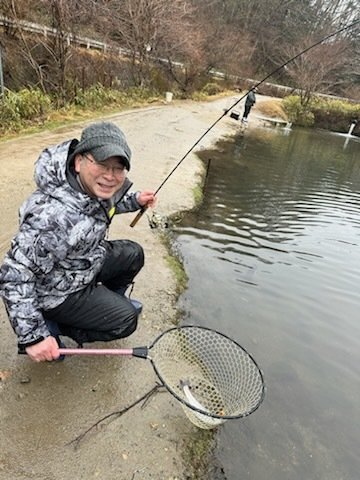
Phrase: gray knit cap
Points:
(104, 140)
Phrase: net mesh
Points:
(212, 376)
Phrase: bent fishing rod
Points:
(256, 85)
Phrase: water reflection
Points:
(272, 258)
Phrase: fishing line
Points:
(256, 85)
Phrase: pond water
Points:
(273, 259)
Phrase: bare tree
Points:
(188, 38)
(318, 69)
(148, 30)
(48, 55)
(16, 11)
(57, 47)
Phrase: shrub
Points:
(97, 96)
(141, 94)
(336, 115)
(272, 108)
(33, 104)
(198, 96)
(326, 113)
(211, 89)
(297, 113)
(17, 108)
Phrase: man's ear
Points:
(77, 162)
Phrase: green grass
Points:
(25, 113)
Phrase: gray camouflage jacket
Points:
(250, 99)
(60, 246)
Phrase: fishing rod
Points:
(256, 85)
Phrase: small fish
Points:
(211, 422)
(185, 385)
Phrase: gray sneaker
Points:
(138, 305)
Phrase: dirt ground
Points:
(46, 406)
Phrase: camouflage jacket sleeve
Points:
(128, 203)
(31, 256)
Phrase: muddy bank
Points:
(45, 406)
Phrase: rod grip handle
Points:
(138, 216)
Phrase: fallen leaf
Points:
(4, 374)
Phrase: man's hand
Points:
(46, 350)
(146, 198)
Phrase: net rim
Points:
(188, 404)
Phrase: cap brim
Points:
(111, 150)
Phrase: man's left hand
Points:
(146, 198)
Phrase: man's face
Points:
(100, 180)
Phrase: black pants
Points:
(246, 111)
(98, 313)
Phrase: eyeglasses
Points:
(117, 170)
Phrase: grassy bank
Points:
(29, 111)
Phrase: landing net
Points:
(213, 377)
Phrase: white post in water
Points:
(352, 126)
(1, 75)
